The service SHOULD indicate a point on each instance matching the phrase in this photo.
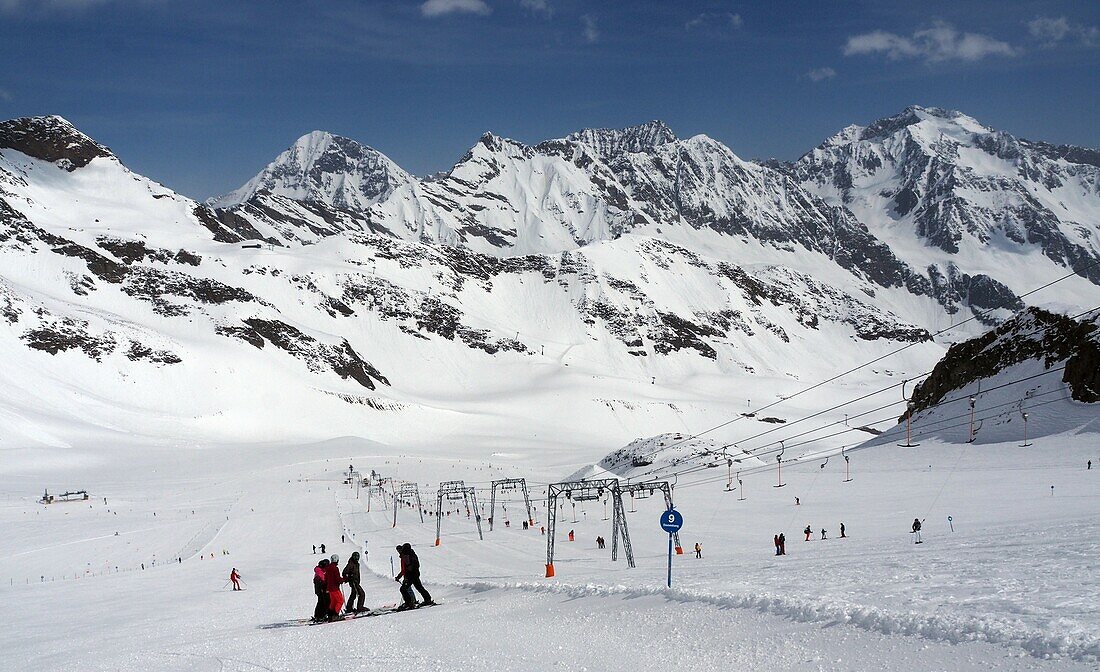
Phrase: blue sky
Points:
(200, 95)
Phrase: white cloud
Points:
(434, 8)
(1052, 31)
(537, 6)
(591, 31)
(941, 42)
(5, 94)
(715, 20)
(820, 74)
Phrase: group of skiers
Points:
(327, 579)
(824, 533)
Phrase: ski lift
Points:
(641, 461)
(847, 473)
(779, 465)
(909, 406)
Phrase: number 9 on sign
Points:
(671, 521)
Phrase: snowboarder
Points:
(775, 540)
(842, 535)
(698, 550)
(410, 572)
(332, 585)
(916, 531)
(235, 578)
(321, 610)
(782, 544)
(823, 533)
(808, 532)
(351, 577)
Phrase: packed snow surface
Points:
(1012, 587)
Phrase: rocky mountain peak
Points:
(325, 168)
(50, 138)
(609, 142)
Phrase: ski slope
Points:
(1013, 587)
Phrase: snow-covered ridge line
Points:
(937, 627)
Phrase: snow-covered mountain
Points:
(951, 196)
(337, 286)
(324, 168)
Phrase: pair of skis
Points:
(380, 611)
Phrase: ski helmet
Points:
(335, 559)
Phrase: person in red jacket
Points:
(332, 585)
(235, 578)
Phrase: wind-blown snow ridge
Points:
(1079, 646)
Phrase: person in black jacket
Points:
(410, 572)
(352, 578)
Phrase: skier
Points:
(570, 535)
(351, 577)
(1089, 469)
(332, 585)
(235, 578)
(775, 540)
(823, 533)
(842, 535)
(797, 501)
(322, 549)
(315, 549)
(808, 532)
(916, 531)
(321, 610)
(782, 544)
(698, 550)
(410, 572)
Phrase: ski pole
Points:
(391, 567)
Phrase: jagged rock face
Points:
(326, 169)
(961, 187)
(1033, 334)
(612, 142)
(50, 139)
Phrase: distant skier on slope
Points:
(410, 572)
(351, 577)
(323, 600)
(782, 544)
(775, 540)
(823, 536)
(698, 550)
(235, 578)
(332, 585)
(916, 531)
(842, 535)
(808, 532)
